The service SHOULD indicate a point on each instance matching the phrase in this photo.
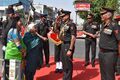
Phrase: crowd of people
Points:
(28, 43)
(109, 43)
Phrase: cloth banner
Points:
(54, 38)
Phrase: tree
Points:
(96, 6)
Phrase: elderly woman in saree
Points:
(34, 51)
(15, 49)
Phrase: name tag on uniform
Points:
(94, 26)
(108, 31)
(66, 27)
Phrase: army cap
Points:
(65, 13)
(10, 11)
(104, 10)
(43, 15)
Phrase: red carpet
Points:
(79, 72)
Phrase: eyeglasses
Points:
(103, 13)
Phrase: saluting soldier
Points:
(90, 28)
(109, 45)
(68, 36)
(43, 29)
(57, 55)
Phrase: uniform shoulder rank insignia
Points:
(108, 31)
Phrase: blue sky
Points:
(65, 4)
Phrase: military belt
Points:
(107, 50)
(66, 42)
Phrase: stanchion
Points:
(12, 70)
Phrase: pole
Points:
(76, 17)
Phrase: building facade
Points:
(45, 9)
(39, 8)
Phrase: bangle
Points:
(70, 49)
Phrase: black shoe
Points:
(117, 74)
(47, 65)
(38, 68)
(57, 70)
(93, 65)
(86, 64)
(60, 70)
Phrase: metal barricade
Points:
(12, 70)
(1, 68)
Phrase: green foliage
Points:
(21, 13)
(83, 14)
(112, 4)
(96, 6)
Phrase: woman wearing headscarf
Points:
(34, 51)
